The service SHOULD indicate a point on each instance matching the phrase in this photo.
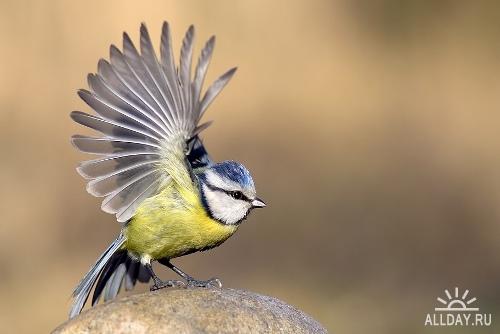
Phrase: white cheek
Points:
(224, 207)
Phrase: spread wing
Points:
(147, 111)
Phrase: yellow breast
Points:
(173, 223)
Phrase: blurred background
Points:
(372, 129)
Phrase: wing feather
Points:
(214, 90)
(112, 129)
(107, 146)
(134, 200)
(108, 184)
(168, 66)
(92, 169)
(147, 113)
(185, 72)
(127, 194)
(144, 77)
(130, 77)
(151, 62)
(115, 113)
(201, 71)
(123, 100)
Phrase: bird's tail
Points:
(112, 268)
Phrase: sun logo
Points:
(456, 303)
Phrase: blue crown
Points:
(235, 172)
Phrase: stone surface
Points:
(193, 311)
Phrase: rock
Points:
(193, 311)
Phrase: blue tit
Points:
(152, 168)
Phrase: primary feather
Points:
(144, 107)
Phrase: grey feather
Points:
(108, 270)
(122, 197)
(201, 127)
(201, 72)
(130, 84)
(113, 129)
(119, 76)
(168, 66)
(107, 146)
(115, 113)
(143, 103)
(92, 169)
(120, 170)
(185, 72)
(159, 78)
(107, 184)
(114, 283)
(136, 63)
(120, 270)
(214, 90)
(134, 199)
(124, 100)
(82, 290)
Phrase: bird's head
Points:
(228, 192)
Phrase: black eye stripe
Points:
(230, 193)
(237, 195)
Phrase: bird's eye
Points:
(237, 194)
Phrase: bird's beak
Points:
(258, 203)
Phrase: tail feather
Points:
(113, 285)
(108, 271)
(114, 268)
(132, 273)
(120, 271)
(82, 291)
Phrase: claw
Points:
(211, 283)
(167, 284)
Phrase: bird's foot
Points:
(211, 283)
(167, 284)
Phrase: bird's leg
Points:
(158, 283)
(191, 281)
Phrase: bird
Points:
(152, 168)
